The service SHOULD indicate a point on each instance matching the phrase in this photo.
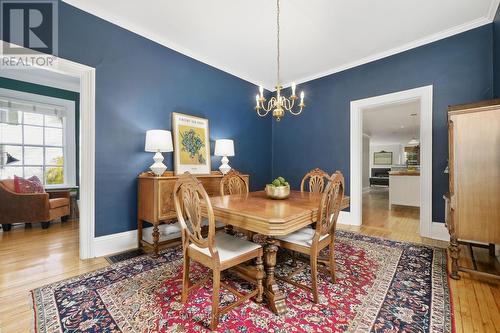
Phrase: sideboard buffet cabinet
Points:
(156, 203)
(473, 204)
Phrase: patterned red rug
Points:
(382, 286)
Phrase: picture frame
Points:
(382, 158)
(191, 144)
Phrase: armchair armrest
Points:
(23, 207)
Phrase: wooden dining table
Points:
(257, 213)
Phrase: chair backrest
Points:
(193, 206)
(329, 207)
(316, 182)
(233, 183)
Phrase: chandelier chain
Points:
(278, 104)
(278, 40)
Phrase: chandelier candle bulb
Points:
(261, 91)
(257, 101)
(293, 89)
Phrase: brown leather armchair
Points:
(31, 207)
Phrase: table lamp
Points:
(158, 141)
(224, 148)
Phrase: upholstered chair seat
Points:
(302, 237)
(228, 247)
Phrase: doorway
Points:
(85, 75)
(421, 97)
(391, 167)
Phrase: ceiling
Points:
(392, 124)
(318, 37)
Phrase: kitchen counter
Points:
(404, 188)
(404, 173)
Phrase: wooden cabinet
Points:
(155, 200)
(474, 166)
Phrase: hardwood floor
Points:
(34, 257)
(31, 258)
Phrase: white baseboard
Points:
(115, 243)
(439, 232)
(345, 218)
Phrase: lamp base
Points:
(224, 167)
(158, 167)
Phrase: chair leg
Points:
(314, 277)
(185, 280)
(332, 262)
(215, 300)
(45, 225)
(260, 277)
(294, 258)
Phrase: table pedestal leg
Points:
(274, 296)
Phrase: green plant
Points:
(192, 143)
(280, 181)
(55, 175)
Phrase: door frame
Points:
(422, 94)
(86, 75)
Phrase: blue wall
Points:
(496, 54)
(138, 85)
(460, 68)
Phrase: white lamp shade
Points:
(158, 141)
(224, 147)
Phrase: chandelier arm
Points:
(291, 103)
(270, 104)
(262, 114)
(296, 113)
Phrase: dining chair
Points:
(217, 251)
(311, 241)
(234, 183)
(316, 179)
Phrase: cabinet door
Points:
(166, 199)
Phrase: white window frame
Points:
(69, 142)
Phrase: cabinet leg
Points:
(229, 230)
(491, 250)
(454, 254)
(156, 240)
(139, 233)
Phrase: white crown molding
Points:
(493, 9)
(420, 42)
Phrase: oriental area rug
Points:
(382, 286)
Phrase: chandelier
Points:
(278, 104)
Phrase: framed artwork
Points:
(191, 144)
(382, 158)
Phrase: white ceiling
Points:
(393, 123)
(319, 37)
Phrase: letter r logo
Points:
(30, 24)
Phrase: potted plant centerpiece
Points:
(278, 189)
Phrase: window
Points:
(37, 139)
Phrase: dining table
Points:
(269, 218)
